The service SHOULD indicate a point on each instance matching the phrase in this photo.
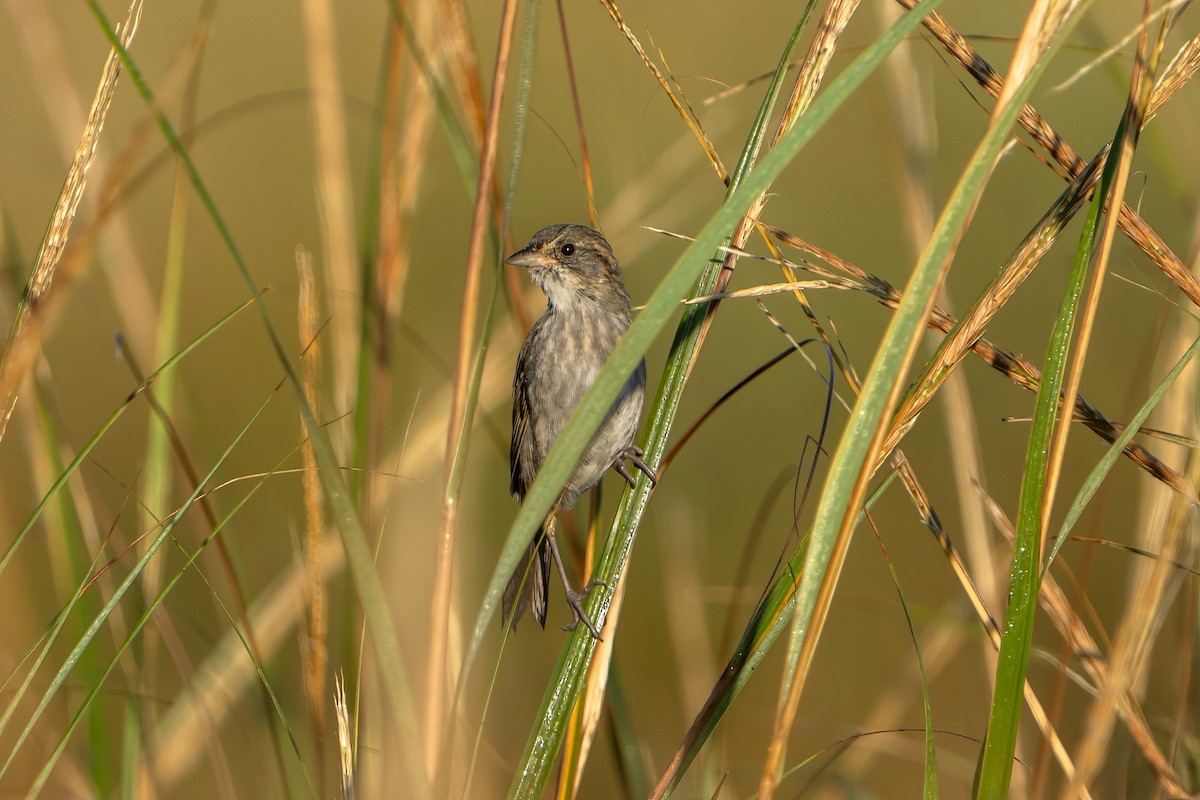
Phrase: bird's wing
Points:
(521, 453)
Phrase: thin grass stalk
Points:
(458, 428)
(358, 554)
(585, 159)
(681, 106)
(335, 205)
(544, 740)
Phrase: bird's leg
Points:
(574, 598)
(633, 454)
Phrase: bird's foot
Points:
(575, 601)
(633, 454)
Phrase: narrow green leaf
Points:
(1105, 465)
(995, 769)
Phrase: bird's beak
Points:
(527, 257)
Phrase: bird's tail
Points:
(527, 588)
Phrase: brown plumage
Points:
(588, 310)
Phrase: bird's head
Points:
(573, 265)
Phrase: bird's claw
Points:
(633, 454)
(575, 602)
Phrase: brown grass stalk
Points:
(24, 339)
(313, 651)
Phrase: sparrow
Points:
(587, 312)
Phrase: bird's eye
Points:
(567, 249)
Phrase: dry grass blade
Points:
(313, 651)
(710, 150)
(345, 742)
(31, 315)
(768, 289)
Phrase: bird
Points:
(588, 310)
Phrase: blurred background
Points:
(720, 518)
